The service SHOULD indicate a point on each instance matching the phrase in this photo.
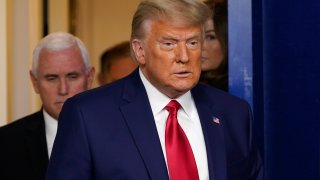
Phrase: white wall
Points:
(23, 32)
(58, 15)
(20, 60)
(103, 23)
(3, 62)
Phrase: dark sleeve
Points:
(257, 164)
(70, 158)
(250, 166)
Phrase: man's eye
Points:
(73, 76)
(193, 44)
(167, 45)
(51, 78)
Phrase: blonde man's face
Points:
(169, 56)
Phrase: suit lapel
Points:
(138, 115)
(36, 144)
(212, 124)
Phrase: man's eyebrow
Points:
(195, 36)
(72, 73)
(170, 37)
(51, 75)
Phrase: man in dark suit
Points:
(60, 69)
(158, 123)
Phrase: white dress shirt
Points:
(188, 119)
(51, 126)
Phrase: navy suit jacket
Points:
(110, 133)
(23, 149)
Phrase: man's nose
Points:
(182, 53)
(63, 87)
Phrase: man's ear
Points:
(34, 81)
(91, 77)
(138, 49)
(101, 79)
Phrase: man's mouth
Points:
(183, 74)
(59, 102)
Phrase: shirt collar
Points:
(158, 100)
(51, 124)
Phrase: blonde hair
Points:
(182, 12)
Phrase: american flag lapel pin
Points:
(215, 120)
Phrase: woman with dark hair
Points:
(215, 51)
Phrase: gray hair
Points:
(56, 42)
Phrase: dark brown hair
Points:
(220, 19)
(116, 52)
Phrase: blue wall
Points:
(291, 63)
(286, 84)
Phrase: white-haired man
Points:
(60, 69)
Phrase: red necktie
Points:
(180, 159)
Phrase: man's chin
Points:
(180, 90)
(59, 104)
